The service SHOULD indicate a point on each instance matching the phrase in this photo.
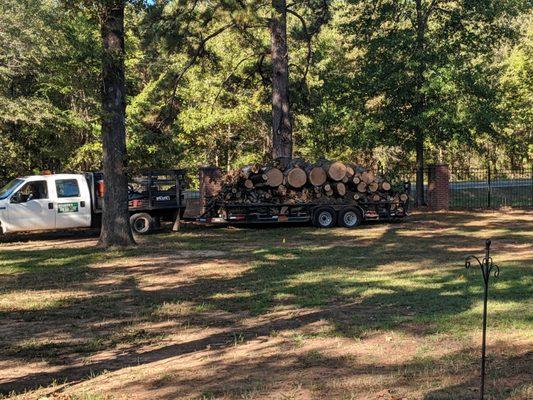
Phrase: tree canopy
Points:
(364, 78)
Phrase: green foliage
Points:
(198, 82)
(48, 85)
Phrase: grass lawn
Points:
(386, 311)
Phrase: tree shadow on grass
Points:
(353, 283)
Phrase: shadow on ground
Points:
(405, 278)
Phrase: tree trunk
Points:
(116, 229)
(281, 122)
(420, 105)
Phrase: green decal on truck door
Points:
(67, 207)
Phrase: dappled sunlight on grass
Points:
(232, 311)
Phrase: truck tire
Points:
(141, 223)
(324, 217)
(350, 217)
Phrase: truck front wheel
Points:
(324, 217)
(141, 223)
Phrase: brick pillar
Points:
(210, 183)
(439, 187)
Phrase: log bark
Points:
(281, 121)
(116, 230)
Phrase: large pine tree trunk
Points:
(116, 229)
(281, 122)
(420, 103)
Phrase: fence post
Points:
(489, 191)
(439, 187)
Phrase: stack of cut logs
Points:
(297, 181)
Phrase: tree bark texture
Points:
(116, 229)
(281, 122)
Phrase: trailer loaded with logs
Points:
(327, 193)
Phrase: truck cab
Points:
(45, 202)
(64, 201)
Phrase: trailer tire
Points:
(350, 217)
(141, 223)
(324, 217)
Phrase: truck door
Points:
(72, 203)
(30, 208)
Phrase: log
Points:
(247, 170)
(336, 171)
(373, 186)
(258, 178)
(367, 177)
(340, 188)
(296, 177)
(350, 170)
(274, 177)
(316, 175)
(284, 181)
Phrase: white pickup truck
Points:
(64, 201)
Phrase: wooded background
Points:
(368, 80)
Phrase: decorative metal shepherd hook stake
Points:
(486, 266)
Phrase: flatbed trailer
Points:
(346, 214)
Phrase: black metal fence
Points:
(490, 188)
(479, 188)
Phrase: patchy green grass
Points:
(386, 306)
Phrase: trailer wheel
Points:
(141, 223)
(350, 217)
(324, 217)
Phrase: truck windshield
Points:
(8, 189)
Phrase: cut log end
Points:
(337, 171)
(373, 186)
(317, 176)
(274, 177)
(296, 177)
